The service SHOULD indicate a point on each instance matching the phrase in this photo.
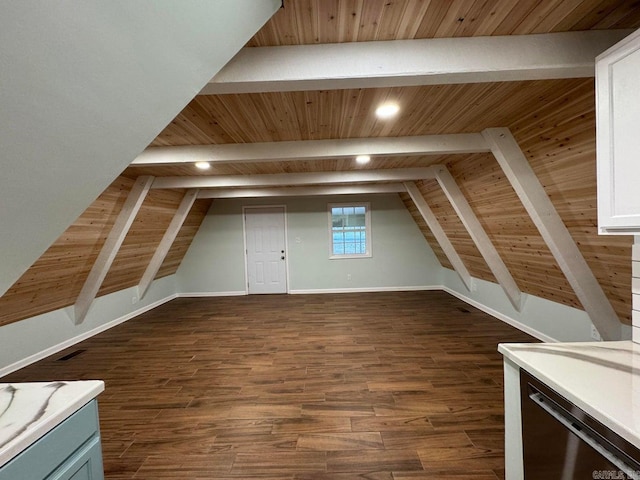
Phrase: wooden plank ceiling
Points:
(333, 21)
(552, 120)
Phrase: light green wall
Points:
(401, 256)
(549, 321)
(215, 260)
(214, 265)
(29, 340)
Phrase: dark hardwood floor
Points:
(403, 386)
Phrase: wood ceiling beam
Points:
(302, 191)
(439, 234)
(111, 246)
(554, 232)
(296, 179)
(479, 236)
(167, 240)
(413, 62)
(315, 149)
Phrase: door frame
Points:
(244, 239)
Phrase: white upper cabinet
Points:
(618, 137)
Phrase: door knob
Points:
(282, 257)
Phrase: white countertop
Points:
(30, 410)
(602, 378)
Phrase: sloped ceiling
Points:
(85, 88)
(552, 120)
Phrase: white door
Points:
(266, 256)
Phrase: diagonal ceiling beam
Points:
(111, 246)
(296, 179)
(315, 149)
(479, 236)
(413, 62)
(167, 240)
(554, 232)
(440, 235)
(302, 191)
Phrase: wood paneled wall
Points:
(55, 279)
(558, 139)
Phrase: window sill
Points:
(341, 257)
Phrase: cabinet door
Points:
(618, 136)
(85, 464)
(69, 451)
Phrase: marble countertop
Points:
(29, 410)
(602, 378)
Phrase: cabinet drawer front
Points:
(50, 451)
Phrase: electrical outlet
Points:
(134, 300)
(348, 277)
(594, 333)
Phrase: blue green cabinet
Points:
(70, 451)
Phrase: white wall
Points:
(26, 341)
(401, 259)
(86, 86)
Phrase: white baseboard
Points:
(364, 290)
(106, 326)
(235, 293)
(494, 313)
(500, 316)
(72, 341)
(488, 310)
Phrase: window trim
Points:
(367, 224)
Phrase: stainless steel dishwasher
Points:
(560, 441)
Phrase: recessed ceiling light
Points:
(362, 159)
(387, 110)
(203, 165)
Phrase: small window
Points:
(350, 228)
